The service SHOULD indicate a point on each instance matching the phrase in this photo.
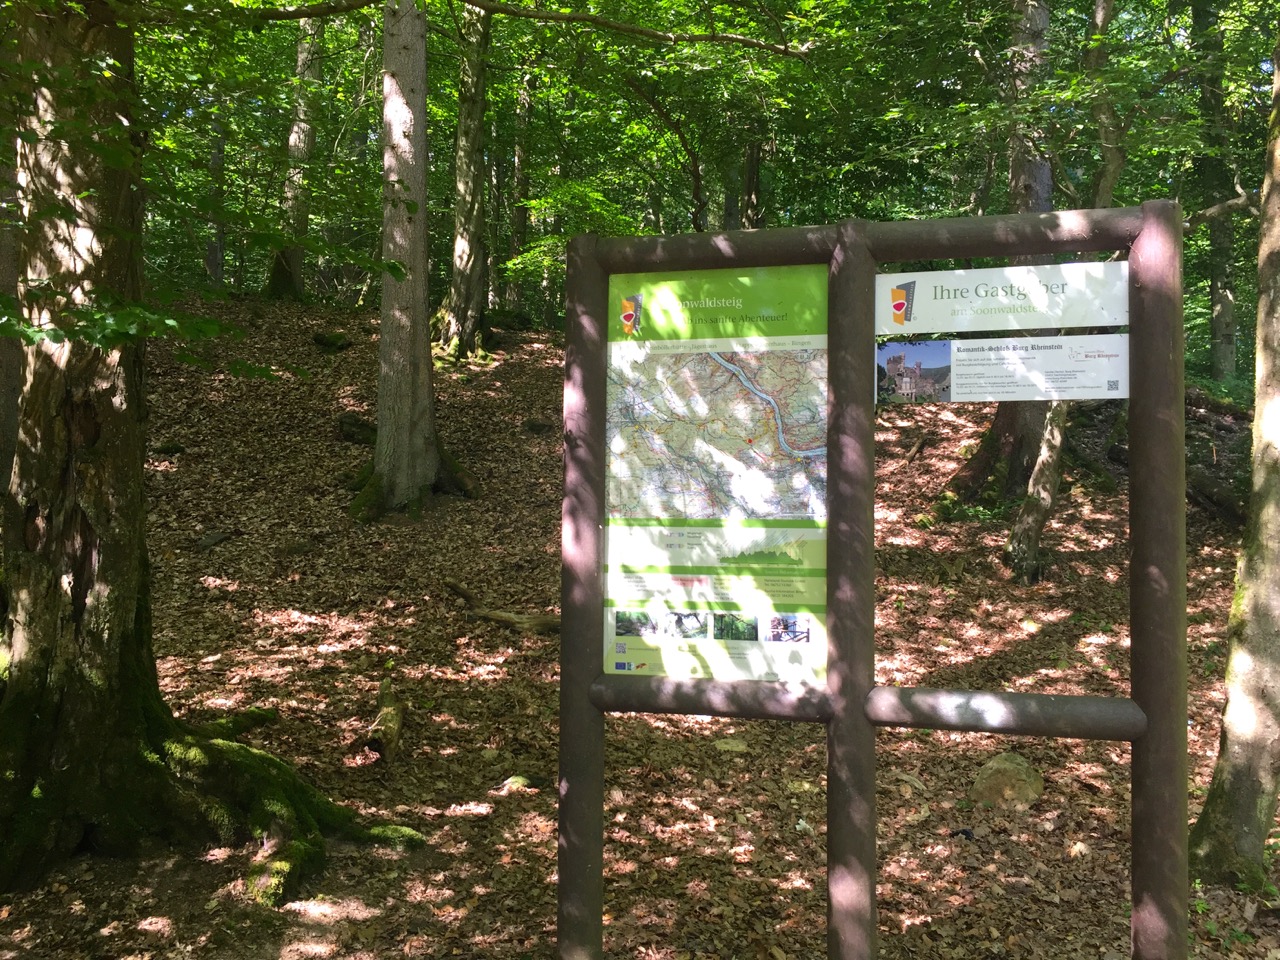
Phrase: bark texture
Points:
(81, 692)
(1000, 468)
(1228, 841)
(406, 454)
(1022, 550)
(465, 304)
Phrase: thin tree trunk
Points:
(406, 455)
(286, 278)
(498, 216)
(1228, 841)
(693, 163)
(464, 306)
(1022, 549)
(1215, 181)
(1030, 177)
(731, 177)
(752, 196)
(1110, 129)
(10, 347)
(215, 251)
(1031, 188)
(513, 295)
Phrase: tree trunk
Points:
(752, 195)
(406, 454)
(1215, 181)
(1002, 465)
(1110, 128)
(1031, 189)
(285, 279)
(91, 757)
(731, 178)
(10, 347)
(1030, 178)
(82, 691)
(215, 250)
(1022, 550)
(1228, 841)
(464, 306)
(512, 294)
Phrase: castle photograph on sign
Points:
(913, 372)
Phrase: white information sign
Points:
(1010, 368)
(1003, 298)
(1038, 368)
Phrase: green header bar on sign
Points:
(719, 304)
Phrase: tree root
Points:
(192, 787)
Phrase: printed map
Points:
(718, 435)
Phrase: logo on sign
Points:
(631, 309)
(903, 298)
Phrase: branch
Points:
(617, 26)
(1245, 201)
(306, 11)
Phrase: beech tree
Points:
(92, 757)
(1228, 841)
(406, 460)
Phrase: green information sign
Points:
(716, 423)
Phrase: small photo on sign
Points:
(913, 372)
(688, 624)
(628, 623)
(732, 626)
(788, 628)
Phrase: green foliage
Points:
(949, 508)
(106, 325)
(1237, 390)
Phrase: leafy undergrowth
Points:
(268, 595)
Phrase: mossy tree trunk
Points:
(1228, 841)
(91, 757)
(82, 695)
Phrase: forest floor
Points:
(267, 594)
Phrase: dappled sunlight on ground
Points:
(268, 595)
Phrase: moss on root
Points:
(195, 788)
(368, 503)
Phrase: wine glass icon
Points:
(631, 307)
